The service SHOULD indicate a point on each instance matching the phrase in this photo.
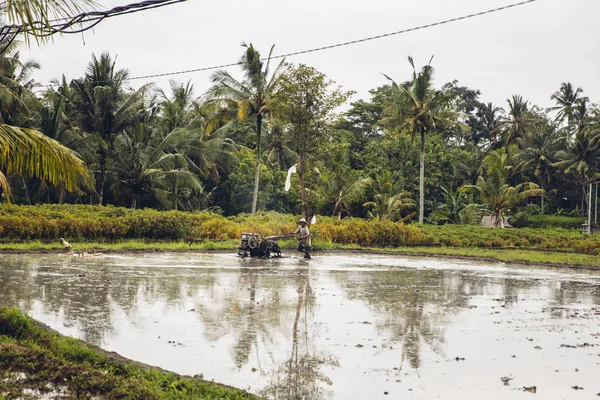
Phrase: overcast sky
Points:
(527, 50)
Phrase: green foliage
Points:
(477, 236)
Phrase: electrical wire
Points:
(342, 44)
(99, 16)
(78, 23)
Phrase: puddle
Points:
(337, 327)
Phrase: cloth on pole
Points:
(313, 220)
(288, 181)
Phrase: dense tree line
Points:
(416, 150)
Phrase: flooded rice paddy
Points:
(341, 326)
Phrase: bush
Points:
(82, 222)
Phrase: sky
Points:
(528, 50)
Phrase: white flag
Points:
(288, 181)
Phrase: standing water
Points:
(337, 327)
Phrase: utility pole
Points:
(589, 227)
(596, 209)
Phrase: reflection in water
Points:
(300, 376)
(337, 327)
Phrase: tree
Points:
(537, 155)
(566, 99)
(490, 117)
(343, 185)
(581, 159)
(495, 192)
(104, 109)
(418, 112)
(250, 97)
(304, 107)
(29, 13)
(518, 121)
(26, 151)
(148, 162)
(386, 204)
(29, 152)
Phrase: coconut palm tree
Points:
(103, 108)
(29, 13)
(342, 185)
(418, 111)
(490, 116)
(537, 155)
(145, 161)
(29, 152)
(495, 192)
(581, 159)
(252, 96)
(25, 151)
(279, 149)
(518, 121)
(386, 204)
(566, 98)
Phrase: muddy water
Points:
(340, 326)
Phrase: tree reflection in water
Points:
(412, 306)
(252, 322)
(301, 376)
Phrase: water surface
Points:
(341, 326)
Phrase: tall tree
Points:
(490, 116)
(252, 96)
(518, 121)
(104, 109)
(26, 151)
(581, 159)
(418, 112)
(537, 155)
(145, 161)
(566, 98)
(305, 105)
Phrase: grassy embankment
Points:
(117, 229)
(35, 358)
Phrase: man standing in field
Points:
(304, 241)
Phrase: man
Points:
(304, 241)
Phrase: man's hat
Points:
(302, 220)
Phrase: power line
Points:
(342, 44)
(159, 3)
(78, 23)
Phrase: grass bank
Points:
(509, 255)
(35, 360)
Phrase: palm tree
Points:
(518, 122)
(25, 151)
(581, 159)
(343, 186)
(566, 98)
(28, 13)
(279, 149)
(537, 155)
(491, 116)
(495, 192)
(29, 152)
(16, 96)
(418, 112)
(104, 109)
(386, 204)
(147, 162)
(175, 108)
(253, 96)
(468, 162)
